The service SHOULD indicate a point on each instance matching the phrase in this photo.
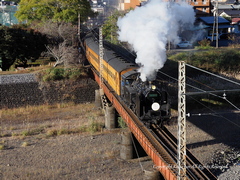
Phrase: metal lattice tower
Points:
(101, 56)
(181, 122)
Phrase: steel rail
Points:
(195, 169)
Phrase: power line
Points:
(209, 92)
(214, 74)
(213, 114)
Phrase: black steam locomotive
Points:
(146, 99)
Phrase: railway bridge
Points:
(159, 144)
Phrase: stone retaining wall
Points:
(34, 93)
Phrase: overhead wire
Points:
(213, 74)
(215, 113)
(224, 95)
(205, 91)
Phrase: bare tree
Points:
(63, 46)
(63, 54)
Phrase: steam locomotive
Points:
(146, 99)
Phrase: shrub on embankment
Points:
(214, 60)
(223, 62)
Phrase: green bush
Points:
(214, 60)
(55, 74)
(73, 73)
(179, 56)
(121, 123)
(204, 44)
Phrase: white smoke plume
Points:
(149, 28)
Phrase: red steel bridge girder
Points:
(160, 165)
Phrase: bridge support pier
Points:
(98, 102)
(110, 117)
(126, 151)
(152, 175)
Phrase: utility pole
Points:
(181, 122)
(217, 24)
(79, 25)
(101, 56)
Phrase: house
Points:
(127, 4)
(229, 10)
(211, 23)
(7, 3)
(235, 25)
(202, 7)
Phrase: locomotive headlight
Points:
(155, 106)
(153, 87)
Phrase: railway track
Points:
(194, 169)
(166, 146)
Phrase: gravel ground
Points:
(214, 141)
(233, 173)
(68, 157)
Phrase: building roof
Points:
(229, 6)
(230, 12)
(235, 20)
(210, 20)
(230, 1)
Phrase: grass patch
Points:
(26, 70)
(64, 131)
(61, 73)
(25, 144)
(214, 102)
(2, 147)
(32, 132)
(121, 123)
(51, 132)
(44, 112)
(95, 127)
(51, 120)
